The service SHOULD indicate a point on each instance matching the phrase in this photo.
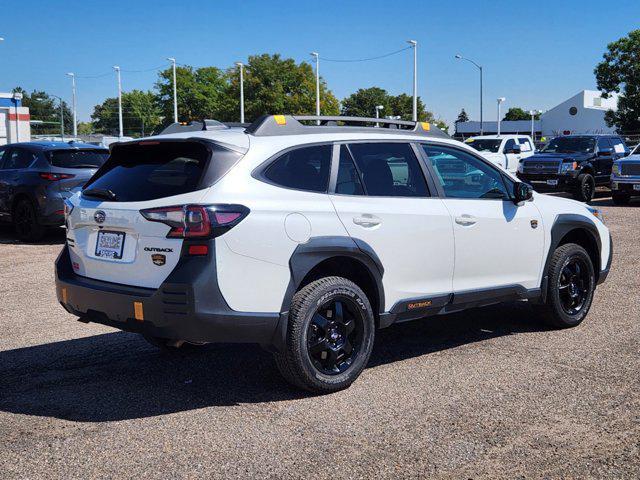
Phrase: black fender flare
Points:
(562, 225)
(308, 255)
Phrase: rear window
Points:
(77, 158)
(148, 171)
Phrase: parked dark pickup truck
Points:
(573, 163)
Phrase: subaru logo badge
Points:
(99, 216)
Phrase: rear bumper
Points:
(188, 306)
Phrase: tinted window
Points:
(603, 143)
(485, 144)
(18, 158)
(525, 145)
(348, 181)
(464, 176)
(571, 145)
(389, 169)
(77, 158)
(304, 168)
(508, 145)
(140, 172)
(3, 153)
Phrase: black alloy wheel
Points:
(335, 335)
(574, 284)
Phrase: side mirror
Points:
(522, 192)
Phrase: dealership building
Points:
(14, 119)
(582, 113)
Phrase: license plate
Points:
(636, 187)
(552, 182)
(110, 244)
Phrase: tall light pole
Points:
(175, 90)
(378, 108)
(500, 100)
(73, 93)
(241, 67)
(414, 44)
(120, 133)
(460, 57)
(317, 57)
(533, 114)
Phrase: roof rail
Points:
(270, 125)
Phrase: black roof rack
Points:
(203, 125)
(270, 125)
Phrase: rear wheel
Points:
(586, 188)
(571, 287)
(329, 337)
(25, 221)
(620, 198)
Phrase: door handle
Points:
(466, 220)
(367, 220)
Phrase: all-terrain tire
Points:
(295, 362)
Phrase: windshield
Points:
(571, 145)
(485, 144)
(77, 158)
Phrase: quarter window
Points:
(389, 169)
(304, 168)
(348, 181)
(464, 176)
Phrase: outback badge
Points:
(158, 259)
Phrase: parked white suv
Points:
(506, 151)
(307, 238)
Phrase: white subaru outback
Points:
(307, 234)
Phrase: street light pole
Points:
(533, 113)
(500, 100)
(241, 67)
(120, 133)
(175, 90)
(378, 108)
(317, 57)
(479, 67)
(414, 44)
(73, 93)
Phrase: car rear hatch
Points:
(72, 168)
(109, 237)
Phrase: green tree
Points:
(140, 114)
(619, 72)
(363, 104)
(462, 116)
(517, 113)
(201, 93)
(275, 85)
(45, 108)
(85, 128)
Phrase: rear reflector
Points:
(198, 250)
(64, 295)
(138, 311)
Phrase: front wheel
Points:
(585, 188)
(620, 198)
(571, 287)
(329, 337)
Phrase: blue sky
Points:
(535, 54)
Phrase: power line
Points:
(365, 59)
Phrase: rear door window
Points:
(77, 158)
(150, 170)
(305, 168)
(508, 146)
(389, 170)
(18, 159)
(348, 180)
(525, 145)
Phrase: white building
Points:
(582, 113)
(14, 119)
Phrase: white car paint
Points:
(423, 248)
(503, 157)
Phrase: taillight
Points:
(197, 221)
(54, 177)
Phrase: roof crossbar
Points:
(271, 125)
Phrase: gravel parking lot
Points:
(490, 393)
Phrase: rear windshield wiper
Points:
(100, 193)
